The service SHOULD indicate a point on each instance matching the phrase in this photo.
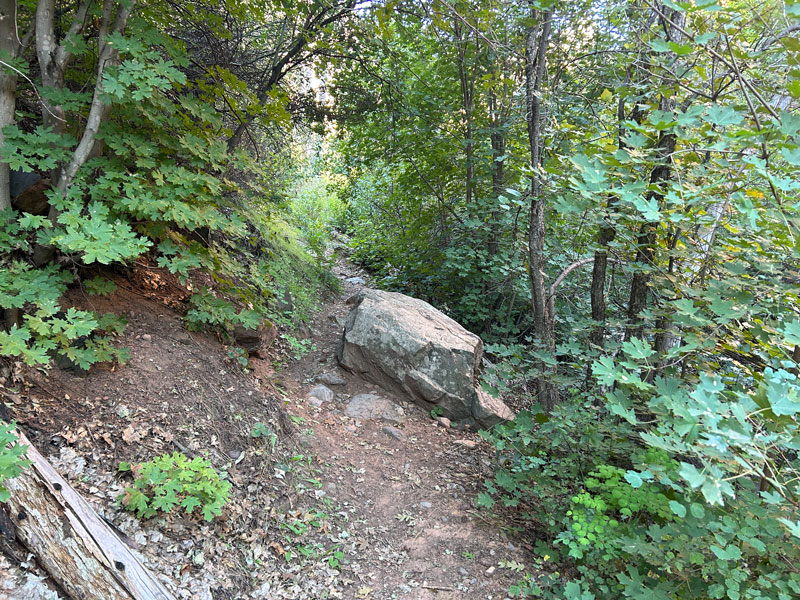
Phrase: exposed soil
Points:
(338, 508)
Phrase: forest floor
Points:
(334, 508)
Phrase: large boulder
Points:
(405, 345)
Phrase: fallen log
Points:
(70, 541)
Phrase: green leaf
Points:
(691, 475)
(722, 116)
(730, 552)
(633, 478)
(484, 500)
(792, 526)
(791, 332)
(697, 510)
(677, 508)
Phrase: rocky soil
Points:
(348, 491)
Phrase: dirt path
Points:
(410, 488)
(336, 508)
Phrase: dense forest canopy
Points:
(605, 191)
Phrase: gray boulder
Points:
(407, 346)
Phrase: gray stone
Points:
(426, 505)
(374, 407)
(315, 402)
(321, 393)
(443, 422)
(394, 432)
(406, 345)
(330, 379)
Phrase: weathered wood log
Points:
(70, 541)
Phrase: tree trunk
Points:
(54, 60)
(8, 90)
(646, 239)
(498, 142)
(536, 42)
(467, 104)
(76, 547)
(605, 236)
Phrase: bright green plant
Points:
(172, 481)
(11, 457)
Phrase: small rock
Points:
(443, 422)
(394, 432)
(372, 406)
(463, 572)
(466, 443)
(330, 379)
(314, 401)
(322, 393)
(490, 570)
(356, 280)
(426, 505)
(147, 337)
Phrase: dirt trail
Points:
(415, 494)
(339, 508)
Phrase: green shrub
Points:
(697, 501)
(170, 481)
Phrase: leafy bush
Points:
(697, 500)
(11, 453)
(211, 311)
(173, 480)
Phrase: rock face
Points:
(406, 345)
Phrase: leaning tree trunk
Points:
(71, 542)
(536, 41)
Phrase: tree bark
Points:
(76, 547)
(537, 39)
(8, 89)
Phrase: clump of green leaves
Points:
(210, 311)
(11, 457)
(171, 481)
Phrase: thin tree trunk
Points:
(8, 90)
(537, 39)
(605, 236)
(99, 110)
(498, 142)
(646, 239)
(467, 104)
